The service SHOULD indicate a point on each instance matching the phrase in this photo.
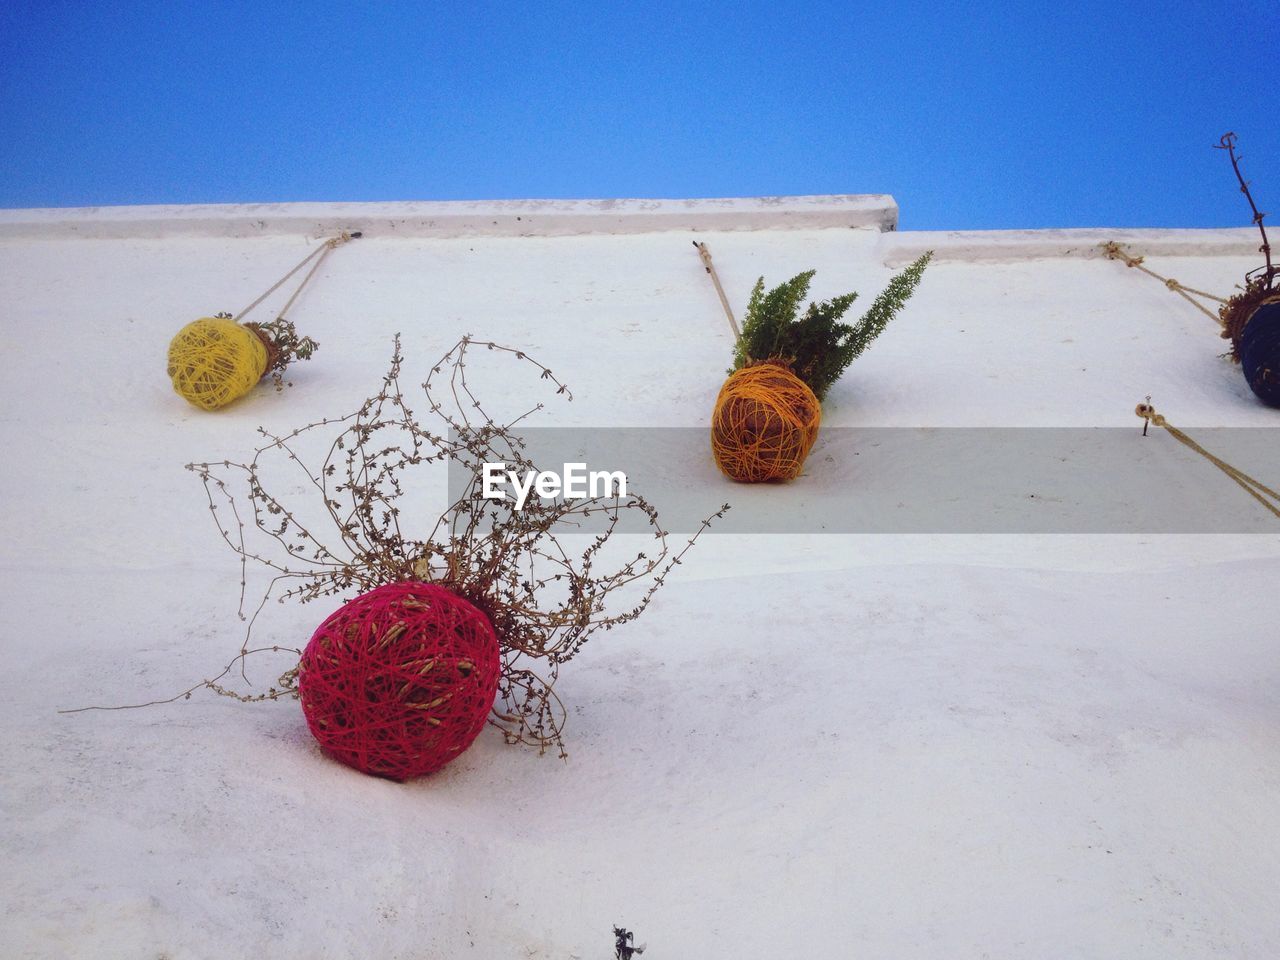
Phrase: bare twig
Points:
(287, 685)
(1269, 271)
(545, 598)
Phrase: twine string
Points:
(705, 254)
(1114, 251)
(1255, 488)
(318, 255)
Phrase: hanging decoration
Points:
(1250, 318)
(217, 360)
(466, 622)
(400, 680)
(767, 414)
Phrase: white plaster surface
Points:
(810, 746)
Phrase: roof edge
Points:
(975, 246)
(455, 218)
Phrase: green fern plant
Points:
(817, 346)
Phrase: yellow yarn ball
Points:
(214, 360)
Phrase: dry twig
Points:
(545, 597)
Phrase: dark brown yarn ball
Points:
(1259, 351)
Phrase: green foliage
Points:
(817, 346)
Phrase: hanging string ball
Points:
(400, 680)
(765, 422)
(1258, 347)
(214, 361)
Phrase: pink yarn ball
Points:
(400, 680)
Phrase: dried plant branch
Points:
(280, 339)
(545, 574)
(1268, 271)
(287, 685)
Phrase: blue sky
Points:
(988, 115)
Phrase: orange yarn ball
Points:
(764, 425)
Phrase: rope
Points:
(705, 254)
(1114, 252)
(1259, 491)
(322, 251)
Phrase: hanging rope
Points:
(1259, 491)
(216, 360)
(705, 254)
(1114, 252)
(320, 252)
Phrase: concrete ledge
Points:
(977, 246)
(500, 218)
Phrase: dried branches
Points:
(1268, 271)
(548, 575)
(1258, 284)
(283, 344)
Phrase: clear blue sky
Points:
(973, 115)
